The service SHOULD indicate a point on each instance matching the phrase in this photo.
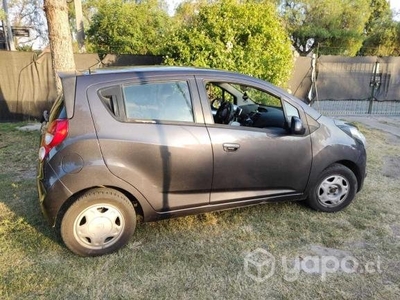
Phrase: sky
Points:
(395, 4)
(172, 4)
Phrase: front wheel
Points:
(334, 190)
(99, 222)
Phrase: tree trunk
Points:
(60, 38)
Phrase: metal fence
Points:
(357, 107)
(349, 85)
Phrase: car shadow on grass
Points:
(21, 218)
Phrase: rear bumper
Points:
(52, 192)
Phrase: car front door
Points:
(256, 162)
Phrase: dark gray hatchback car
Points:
(162, 142)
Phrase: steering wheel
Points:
(225, 113)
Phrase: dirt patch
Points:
(358, 245)
(395, 230)
(325, 251)
(29, 174)
(393, 139)
(391, 167)
(321, 258)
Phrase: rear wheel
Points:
(99, 222)
(334, 190)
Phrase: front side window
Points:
(217, 93)
(243, 105)
(291, 111)
(163, 101)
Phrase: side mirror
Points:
(296, 126)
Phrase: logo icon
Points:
(259, 265)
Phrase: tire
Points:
(99, 222)
(335, 188)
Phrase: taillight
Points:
(56, 132)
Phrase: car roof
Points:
(158, 70)
(141, 69)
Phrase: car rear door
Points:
(152, 135)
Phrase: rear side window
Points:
(163, 101)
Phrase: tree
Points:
(243, 36)
(187, 10)
(382, 35)
(78, 21)
(60, 38)
(127, 27)
(29, 13)
(2, 18)
(336, 26)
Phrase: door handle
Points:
(230, 147)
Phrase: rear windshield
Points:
(58, 110)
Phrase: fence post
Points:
(374, 84)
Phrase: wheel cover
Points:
(333, 190)
(99, 226)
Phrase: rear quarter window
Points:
(111, 97)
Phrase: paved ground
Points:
(30, 127)
(389, 124)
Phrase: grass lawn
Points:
(348, 255)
